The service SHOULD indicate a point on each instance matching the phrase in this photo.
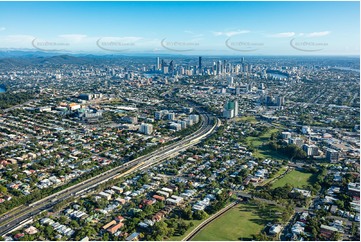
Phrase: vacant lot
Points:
(239, 223)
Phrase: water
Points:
(346, 69)
(149, 75)
(277, 76)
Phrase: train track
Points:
(201, 226)
(17, 216)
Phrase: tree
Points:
(105, 237)
(49, 232)
(3, 189)
(181, 227)
(336, 236)
(187, 213)
(340, 204)
(63, 219)
(74, 224)
(285, 216)
(200, 215)
(259, 237)
(85, 231)
(161, 229)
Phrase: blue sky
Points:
(257, 28)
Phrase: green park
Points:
(242, 222)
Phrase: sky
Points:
(207, 28)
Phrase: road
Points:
(17, 216)
(20, 105)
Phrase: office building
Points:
(171, 116)
(165, 69)
(158, 115)
(189, 122)
(158, 63)
(295, 141)
(183, 124)
(228, 114)
(236, 108)
(332, 155)
(194, 118)
(286, 135)
(187, 110)
(311, 150)
(230, 109)
(200, 64)
(280, 101)
(230, 81)
(146, 129)
(175, 126)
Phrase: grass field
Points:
(257, 141)
(250, 119)
(277, 174)
(261, 151)
(239, 223)
(294, 178)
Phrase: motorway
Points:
(11, 221)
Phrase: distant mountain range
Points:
(6, 53)
(28, 57)
(34, 58)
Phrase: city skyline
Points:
(213, 28)
(180, 121)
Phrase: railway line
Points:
(17, 216)
(201, 226)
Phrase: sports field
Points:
(239, 223)
(295, 179)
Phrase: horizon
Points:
(38, 53)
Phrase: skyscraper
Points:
(158, 64)
(200, 63)
(230, 109)
(219, 67)
(171, 66)
(235, 108)
(280, 101)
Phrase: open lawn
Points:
(239, 223)
(276, 175)
(295, 178)
(261, 151)
(257, 141)
(250, 119)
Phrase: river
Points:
(277, 76)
